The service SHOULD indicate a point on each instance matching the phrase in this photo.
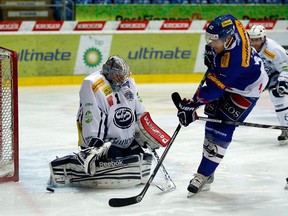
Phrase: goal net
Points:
(9, 158)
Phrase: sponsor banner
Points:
(134, 12)
(168, 53)
(47, 26)
(268, 24)
(10, 26)
(102, 26)
(176, 25)
(90, 26)
(52, 54)
(132, 25)
(43, 55)
(93, 51)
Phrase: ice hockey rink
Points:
(249, 181)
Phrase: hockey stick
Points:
(170, 184)
(176, 99)
(119, 202)
(247, 124)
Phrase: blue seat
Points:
(141, 1)
(236, 1)
(58, 12)
(179, 2)
(217, 1)
(199, 2)
(255, 1)
(273, 1)
(102, 1)
(160, 1)
(84, 1)
(122, 1)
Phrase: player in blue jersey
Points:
(234, 81)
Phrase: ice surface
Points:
(249, 181)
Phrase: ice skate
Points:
(283, 138)
(199, 183)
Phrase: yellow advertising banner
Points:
(173, 53)
(66, 59)
(43, 55)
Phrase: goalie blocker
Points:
(148, 133)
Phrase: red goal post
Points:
(9, 135)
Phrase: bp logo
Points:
(92, 57)
(88, 117)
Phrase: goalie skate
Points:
(283, 138)
(199, 183)
(119, 173)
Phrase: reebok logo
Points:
(111, 163)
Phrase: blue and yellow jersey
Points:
(237, 69)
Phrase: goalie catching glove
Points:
(148, 133)
(88, 156)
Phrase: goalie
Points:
(114, 131)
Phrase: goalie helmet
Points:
(219, 29)
(116, 71)
(257, 31)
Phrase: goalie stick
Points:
(177, 99)
(170, 184)
(120, 202)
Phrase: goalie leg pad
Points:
(147, 132)
(61, 171)
(119, 173)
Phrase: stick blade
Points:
(120, 202)
(176, 98)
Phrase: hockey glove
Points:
(281, 89)
(95, 142)
(187, 112)
(208, 56)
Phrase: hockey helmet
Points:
(116, 71)
(220, 28)
(257, 31)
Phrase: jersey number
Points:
(117, 98)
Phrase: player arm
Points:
(139, 106)
(281, 62)
(94, 118)
(211, 91)
(281, 65)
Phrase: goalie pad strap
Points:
(148, 132)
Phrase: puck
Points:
(50, 189)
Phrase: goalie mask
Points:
(116, 71)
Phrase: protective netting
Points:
(7, 115)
